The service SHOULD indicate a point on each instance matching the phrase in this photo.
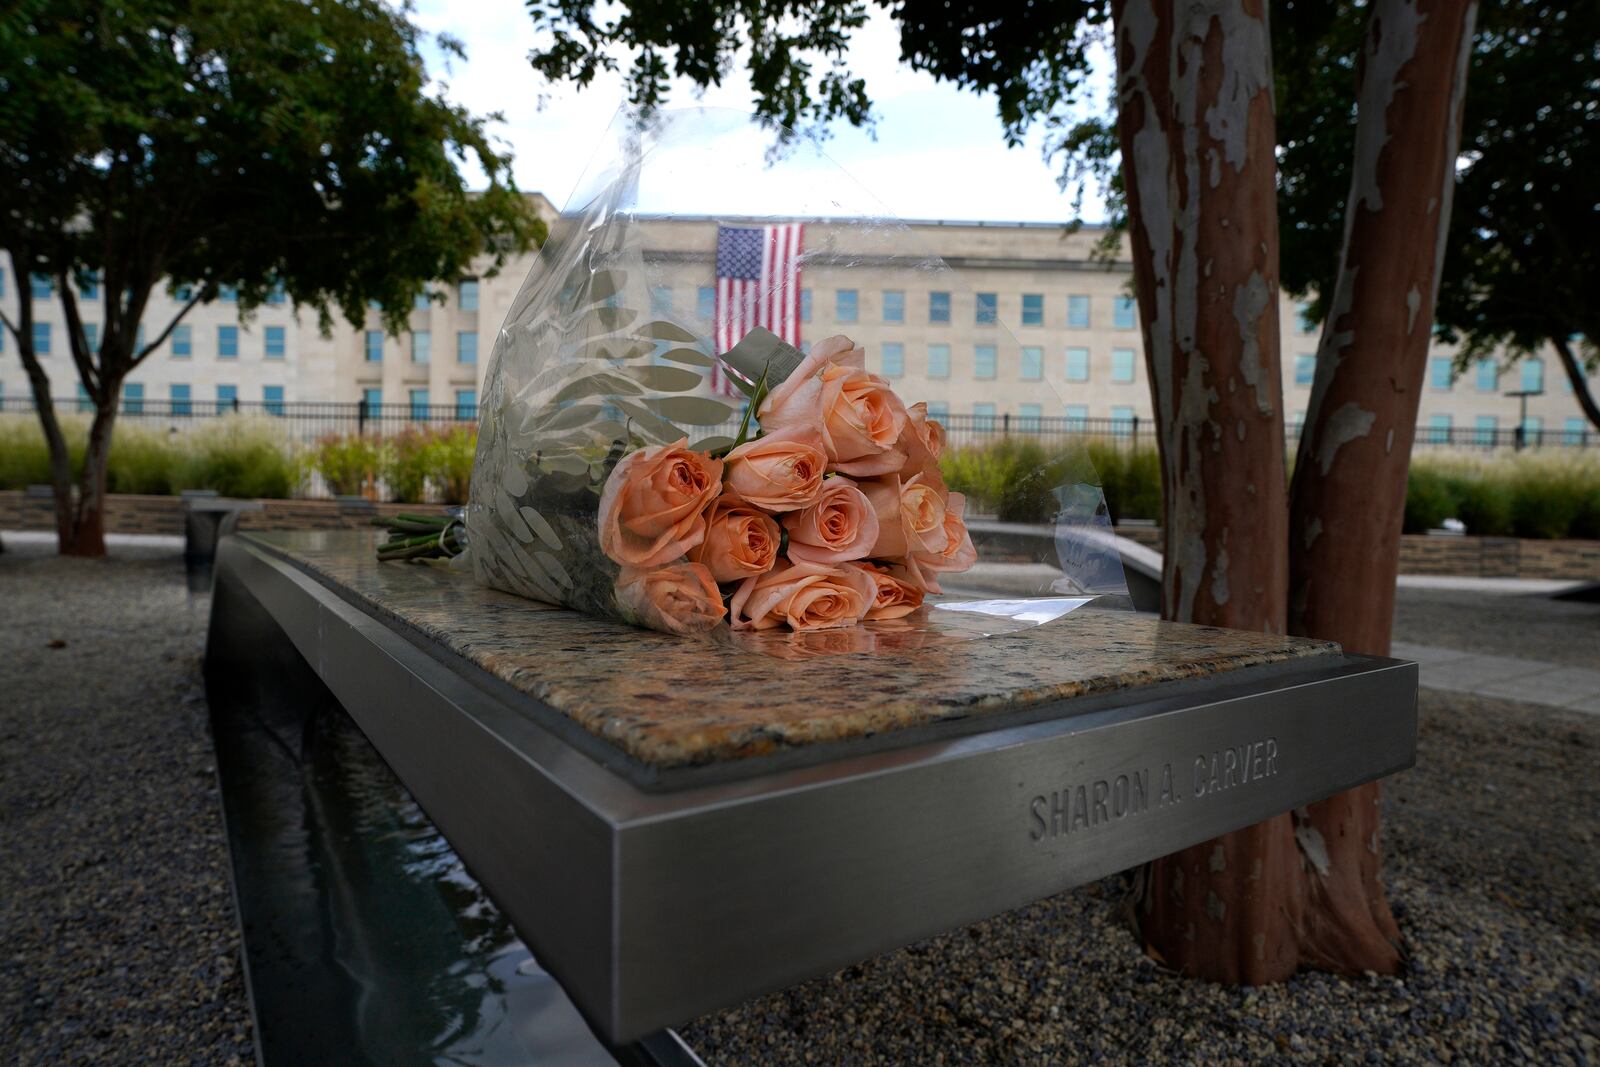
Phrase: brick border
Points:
(1469, 557)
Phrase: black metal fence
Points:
(308, 420)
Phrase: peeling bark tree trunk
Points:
(1197, 133)
(1349, 489)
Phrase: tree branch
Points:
(77, 343)
(201, 291)
(1580, 384)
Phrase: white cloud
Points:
(938, 152)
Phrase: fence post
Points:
(1005, 423)
(236, 404)
(361, 416)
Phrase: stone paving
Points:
(1530, 681)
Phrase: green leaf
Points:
(689, 356)
(694, 410)
(664, 379)
(667, 331)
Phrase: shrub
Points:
(1015, 478)
(1431, 498)
(144, 460)
(348, 463)
(1131, 478)
(239, 456)
(1483, 506)
(24, 459)
(403, 464)
(449, 457)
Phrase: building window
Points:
(1033, 309)
(1296, 424)
(1439, 376)
(1439, 429)
(373, 399)
(1533, 375)
(133, 398)
(41, 338)
(1077, 364)
(938, 411)
(227, 398)
(1123, 421)
(138, 339)
(467, 294)
(179, 395)
(1032, 363)
(1077, 416)
(1574, 431)
(805, 305)
(182, 341)
(272, 399)
(1533, 430)
(41, 287)
(84, 403)
(1303, 320)
(372, 346)
(1078, 312)
(1487, 376)
(91, 336)
(467, 347)
(1028, 418)
(844, 305)
(983, 417)
(228, 294)
(705, 303)
(227, 342)
(894, 305)
(984, 358)
(894, 359)
(467, 405)
(1122, 313)
(660, 301)
(421, 301)
(420, 406)
(1122, 365)
(938, 307)
(89, 287)
(276, 344)
(1305, 369)
(986, 309)
(276, 295)
(421, 346)
(1484, 428)
(938, 361)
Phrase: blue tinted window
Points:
(894, 305)
(420, 404)
(987, 309)
(938, 361)
(1122, 420)
(1123, 316)
(276, 343)
(40, 286)
(1533, 375)
(466, 347)
(133, 398)
(227, 342)
(1439, 429)
(938, 307)
(984, 359)
(466, 404)
(373, 398)
(41, 338)
(894, 360)
(1122, 363)
(227, 398)
(1302, 315)
(1077, 364)
(272, 399)
(660, 300)
(179, 395)
(228, 294)
(1486, 375)
(1032, 363)
(1439, 375)
(89, 287)
(805, 305)
(983, 416)
(421, 302)
(844, 305)
(277, 296)
(1484, 427)
(1033, 309)
(182, 341)
(1305, 369)
(91, 335)
(1077, 416)
(938, 410)
(84, 403)
(705, 302)
(372, 346)
(1028, 418)
(1078, 311)
(467, 294)
(422, 346)
(1574, 431)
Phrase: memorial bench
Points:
(674, 826)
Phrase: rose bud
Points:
(841, 525)
(807, 596)
(652, 508)
(741, 540)
(680, 598)
(779, 472)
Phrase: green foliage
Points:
(347, 462)
(1430, 499)
(1529, 495)
(402, 463)
(144, 460)
(448, 458)
(24, 459)
(238, 456)
(1131, 478)
(1014, 478)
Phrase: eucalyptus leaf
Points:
(615, 349)
(541, 528)
(651, 426)
(602, 320)
(694, 410)
(566, 418)
(603, 283)
(664, 379)
(691, 356)
(667, 331)
(712, 444)
(599, 384)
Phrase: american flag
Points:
(758, 284)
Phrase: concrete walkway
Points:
(1504, 677)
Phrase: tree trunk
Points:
(1349, 491)
(1580, 384)
(43, 402)
(87, 536)
(1196, 127)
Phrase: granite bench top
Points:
(670, 702)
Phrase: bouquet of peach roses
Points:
(831, 514)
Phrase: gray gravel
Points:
(120, 943)
(1528, 627)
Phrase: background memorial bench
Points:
(673, 826)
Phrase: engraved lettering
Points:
(1168, 796)
(1039, 825)
(1255, 759)
(1199, 776)
(1244, 764)
(1214, 783)
(1101, 792)
(1230, 760)
(1080, 808)
(1141, 790)
(1058, 813)
(1272, 755)
(1119, 796)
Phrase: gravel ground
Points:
(115, 909)
(1528, 627)
(120, 945)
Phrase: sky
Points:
(938, 154)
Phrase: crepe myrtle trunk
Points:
(1348, 497)
(1195, 120)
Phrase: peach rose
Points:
(899, 593)
(958, 554)
(652, 509)
(797, 400)
(841, 525)
(680, 598)
(922, 440)
(807, 596)
(741, 540)
(911, 514)
(779, 472)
